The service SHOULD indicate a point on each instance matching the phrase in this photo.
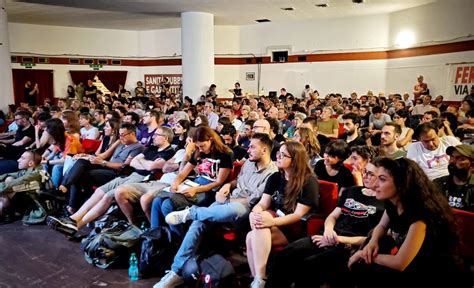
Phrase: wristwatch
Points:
(103, 163)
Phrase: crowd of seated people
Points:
(397, 166)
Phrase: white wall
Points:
(326, 77)
(54, 40)
(439, 21)
(338, 34)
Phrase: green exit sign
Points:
(96, 66)
(28, 65)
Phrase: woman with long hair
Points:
(212, 160)
(180, 130)
(322, 258)
(275, 220)
(308, 138)
(71, 123)
(402, 118)
(419, 249)
(62, 145)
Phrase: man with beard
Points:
(233, 205)
(458, 186)
(390, 134)
(351, 122)
(229, 135)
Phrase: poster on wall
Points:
(461, 78)
(155, 82)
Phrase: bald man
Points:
(263, 126)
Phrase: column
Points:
(197, 46)
(6, 78)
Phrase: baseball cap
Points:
(463, 149)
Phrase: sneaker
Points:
(170, 280)
(257, 283)
(178, 217)
(63, 225)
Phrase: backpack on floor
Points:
(157, 252)
(40, 200)
(111, 245)
(213, 271)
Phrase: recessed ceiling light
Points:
(324, 5)
(287, 8)
(263, 20)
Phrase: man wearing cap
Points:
(458, 186)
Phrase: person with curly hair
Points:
(419, 250)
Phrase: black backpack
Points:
(111, 245)
(157, 252)
(213, 271)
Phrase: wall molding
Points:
(251, 60)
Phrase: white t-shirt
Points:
(92, 133)
(434, 163)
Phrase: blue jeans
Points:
(163, 206)
(57, 175)
(204, 218)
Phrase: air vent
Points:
(74, 61)
(14, 59)
(116, 62)
(263, 20)
(287, 8)
(103, 61)
(88, 61)
(27, 60)
(325, 5)
(43, 60)
(280, 56)
(302, 58)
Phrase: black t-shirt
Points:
(275, 148)
(359, 141)
(29, 132)
(359, 213)
(90, 89)
(343, 178)
(364, 121)
(208, 165)
(308, 196)
(239, 152)
(151, 153)
(30, 99)
(179, 143)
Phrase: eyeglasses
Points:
(282, 155)
(124, 134)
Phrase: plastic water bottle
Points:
(133, 268)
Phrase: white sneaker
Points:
(257, 283)
(178, 217)
(170, 280)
